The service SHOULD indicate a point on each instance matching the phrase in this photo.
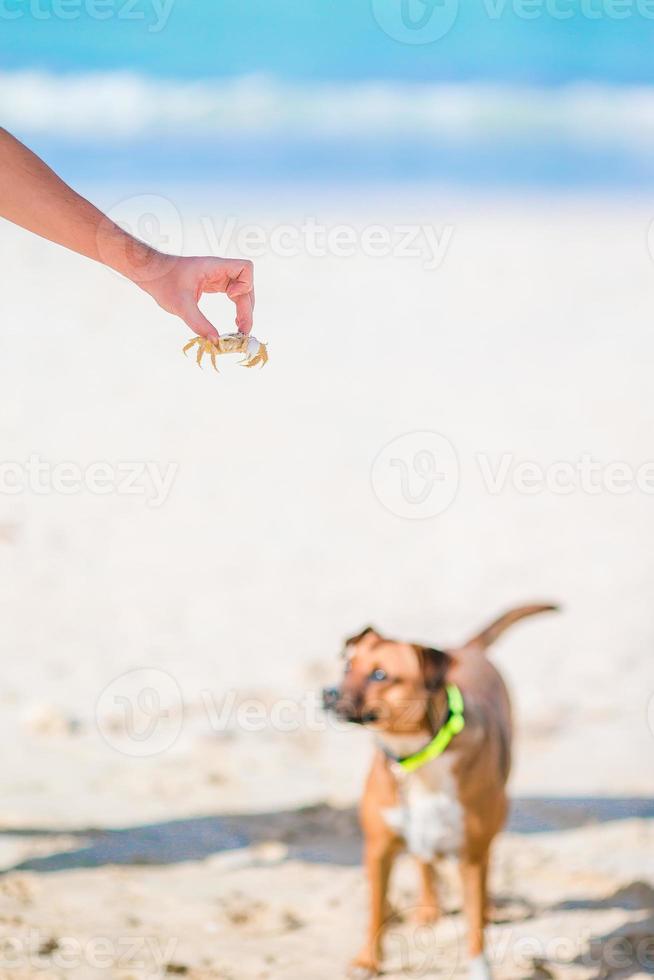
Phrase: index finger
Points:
(241, 291)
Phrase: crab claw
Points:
(256, 353)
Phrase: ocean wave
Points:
(117, 106)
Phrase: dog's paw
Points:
(479, 968)
(363, 968)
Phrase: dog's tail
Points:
(483, 640)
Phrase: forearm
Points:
(34, 197)
(31, 195)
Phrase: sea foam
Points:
(117, 106)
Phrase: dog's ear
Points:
(359, 636)
(434, 664)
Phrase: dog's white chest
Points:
(429, 816)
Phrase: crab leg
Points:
(190, 344)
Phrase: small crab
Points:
(230, 343)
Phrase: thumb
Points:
(197, 321)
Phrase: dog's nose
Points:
(330, 697)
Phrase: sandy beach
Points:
(182, 553)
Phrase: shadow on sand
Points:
(318, 834)
(323, 834)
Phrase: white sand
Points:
(533, 338)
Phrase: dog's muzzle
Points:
(330, 698)
(333, 700)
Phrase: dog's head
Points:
(386, 684)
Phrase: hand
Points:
(34, 197)
(179, 283)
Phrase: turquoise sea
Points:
(473, 92)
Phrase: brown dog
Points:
(437, 782)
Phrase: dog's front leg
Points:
(429, 910)
(473, 877)
(379, 856)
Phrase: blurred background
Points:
(449, 208)
(491, 93)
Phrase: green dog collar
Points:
(455, 723)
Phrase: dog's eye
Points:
(378, 675)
